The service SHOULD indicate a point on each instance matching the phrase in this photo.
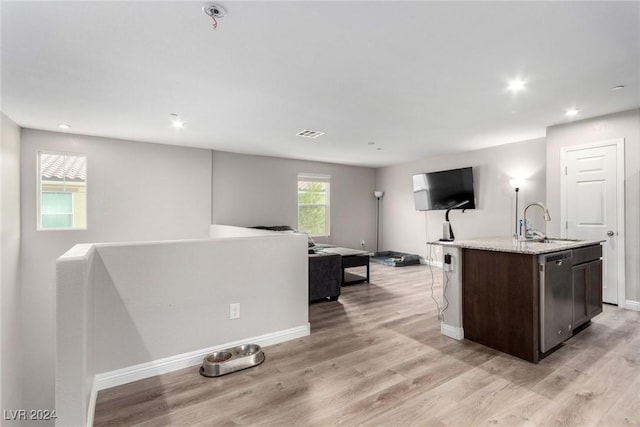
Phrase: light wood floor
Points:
(377, 358)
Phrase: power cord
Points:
(430, 264)
(444, 293)
(443, 308)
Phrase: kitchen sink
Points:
(554, 240)
(558, 240)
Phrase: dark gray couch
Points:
(325, 276)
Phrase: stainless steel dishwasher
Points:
(556, 299)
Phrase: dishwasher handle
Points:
(556, 257)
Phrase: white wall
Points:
(136, 191)
(166, 304)
(406, 230)
(255, 190)
(10, 312)
(75, 391)
(159, 300)
(620, 125)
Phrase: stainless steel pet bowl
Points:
(231, 360)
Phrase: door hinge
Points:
(565, 170)
(566, 225)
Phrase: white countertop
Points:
(507, 244)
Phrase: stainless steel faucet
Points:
(547, 217)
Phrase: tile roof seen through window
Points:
(60, 167)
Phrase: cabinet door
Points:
(594, 288)
(580, 292)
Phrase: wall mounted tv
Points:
(444, 190)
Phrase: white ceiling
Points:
(415, 78)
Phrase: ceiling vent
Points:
(310, 134)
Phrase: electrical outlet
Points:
(448, 262)
(234, 310)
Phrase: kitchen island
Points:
(520, 297)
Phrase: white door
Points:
(591, 205)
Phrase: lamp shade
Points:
(516, 183)
(378, 194)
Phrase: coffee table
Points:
(351, 258)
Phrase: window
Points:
(62, 191)
(313, 204)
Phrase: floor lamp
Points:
(378, 195)
(516, 184)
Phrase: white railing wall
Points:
(134, 310)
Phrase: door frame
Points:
(620, 180)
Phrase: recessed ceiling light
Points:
(64, 126)
(618, 87)
(176, 122)
(516, 85)
(571, 112)
(310, 134)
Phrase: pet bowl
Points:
(231, 360)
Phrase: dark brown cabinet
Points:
(500, 301)
(587, 284)
(580, 285)
(501, 298)
(594, 289)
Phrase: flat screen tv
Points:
(444, 190)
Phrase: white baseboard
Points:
(186, 360)
(632, 305)
(432, 263)
(452, 331)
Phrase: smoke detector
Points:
(214, 10)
